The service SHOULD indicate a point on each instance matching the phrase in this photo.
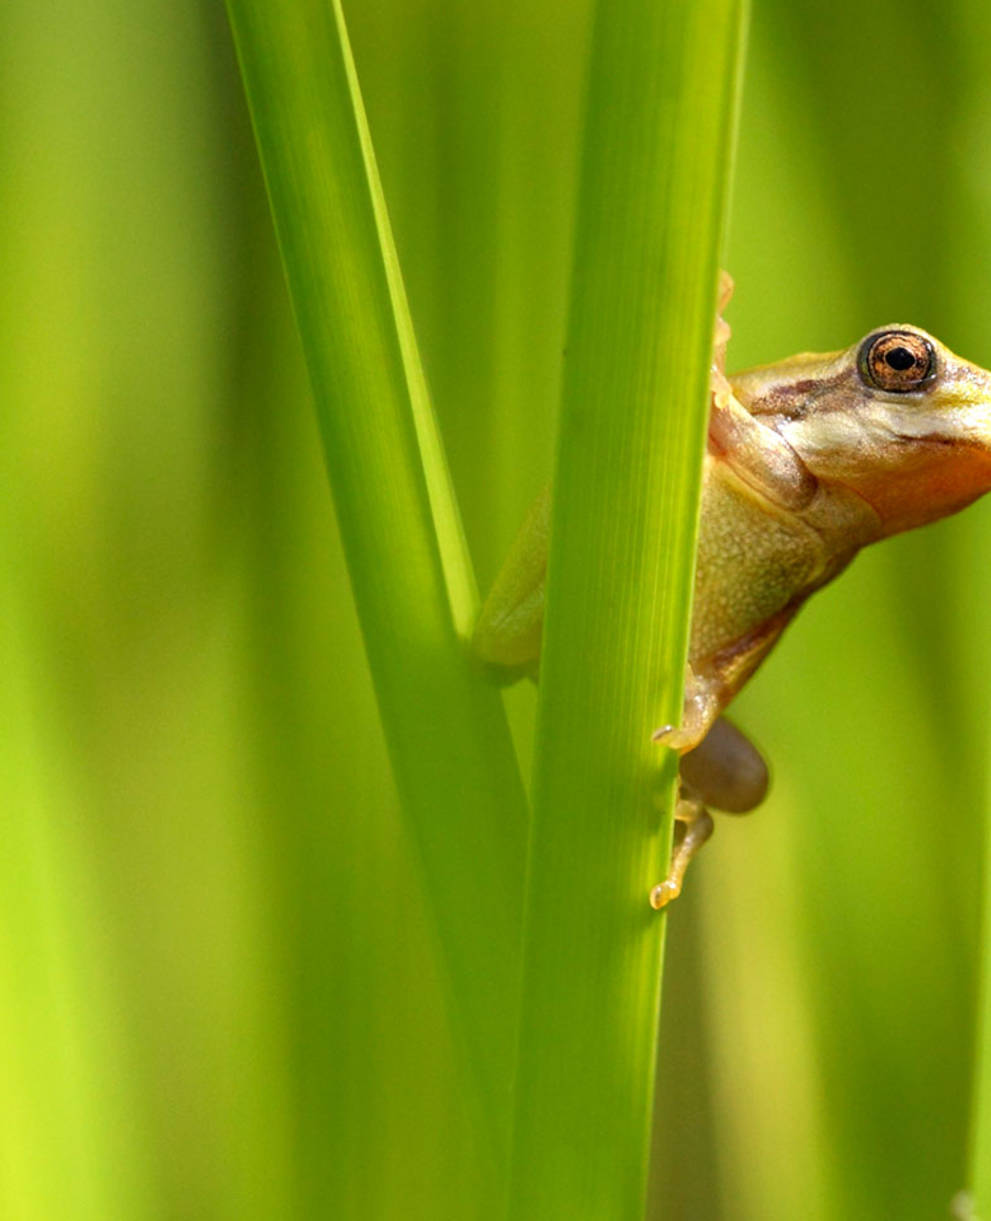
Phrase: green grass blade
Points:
(446, 731)
(659, 129)
(980, 1152)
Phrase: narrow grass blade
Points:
(980, 1152)
(659, 128)
(446, 732)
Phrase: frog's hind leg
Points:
(725, 771)
(694, 828)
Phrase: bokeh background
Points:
(219, 988)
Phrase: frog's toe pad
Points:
(664, 892)
(681, 738)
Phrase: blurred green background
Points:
(219, 989)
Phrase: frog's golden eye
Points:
(897, 360)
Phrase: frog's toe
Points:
(664, 892)
(695, 827)
(679, 738)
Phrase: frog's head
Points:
(897, 419)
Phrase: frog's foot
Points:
(694, 829)
(701, 708)
(681, 738)
(722, 335)
(725, 288)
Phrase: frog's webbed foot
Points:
(694, 828)
(725, 771)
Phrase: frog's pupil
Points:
(899, 359)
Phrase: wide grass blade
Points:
(660, 120)
(446, 732)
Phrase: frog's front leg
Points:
(760, 456)
(727, 772)
(757, 454)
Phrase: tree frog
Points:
(807, 461)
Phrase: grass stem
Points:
(657, 147)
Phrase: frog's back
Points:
(752, 560)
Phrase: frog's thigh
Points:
(725, 771)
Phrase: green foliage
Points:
(653, 185)
(222, 988)
(447, 736)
